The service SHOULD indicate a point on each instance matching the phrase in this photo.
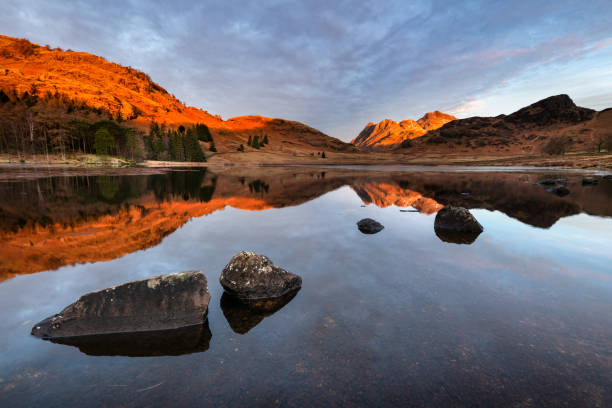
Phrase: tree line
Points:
(55, 123)
(182, 144)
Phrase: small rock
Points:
(249, 276)
(589, 181)
(163, 302)
(561, 191)
(456, 219)
(608, 177)
(369, 226)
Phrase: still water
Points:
(521, 316)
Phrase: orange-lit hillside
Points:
(90, 78)
(28, 67)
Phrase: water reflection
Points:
(242, 317)
(519, 317)
(53, 221)
(456, 237)
(185, 340)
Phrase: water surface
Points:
(519, 317)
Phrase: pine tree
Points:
(323, 155)
(202, 132)
(265, 140)
(103, 141)
(193, 150)
(250, 142)
(177, 151)
(256, 142)
(158, 147)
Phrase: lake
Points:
(520, 315)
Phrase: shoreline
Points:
(579, 162)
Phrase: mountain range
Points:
(389, 134)
(45, 91)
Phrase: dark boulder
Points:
(242, 316)
(369, 226)
(561, 191)
(249, 276)
(589, 181)
(164, 302)
(608, 177)
(456, 220)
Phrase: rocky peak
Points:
(392, 133)
(434, 120)
(551, 110)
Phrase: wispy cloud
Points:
(336, 65)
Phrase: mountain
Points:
(434, 120)
(388, 133)
(52, 74)
(552, 122)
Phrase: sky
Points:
(337, 65)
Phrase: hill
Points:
(553, 125)
(50, 84)
(389, 134)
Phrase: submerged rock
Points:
(552, 182)
(561, 191)
(175, 342)
(456, 219)
(369, 226)
(242, 316)
(589, 181)
(160, 303)
(249, 276)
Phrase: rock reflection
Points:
(454, 237)
(243, 316)
(185, 340)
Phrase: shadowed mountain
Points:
(527, 130)
(51, 221)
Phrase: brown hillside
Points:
(527, 131)
(130, 93)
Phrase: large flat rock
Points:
(163, 302)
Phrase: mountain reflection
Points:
(53, 221)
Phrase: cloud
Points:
(467, 108)
(333, 65)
